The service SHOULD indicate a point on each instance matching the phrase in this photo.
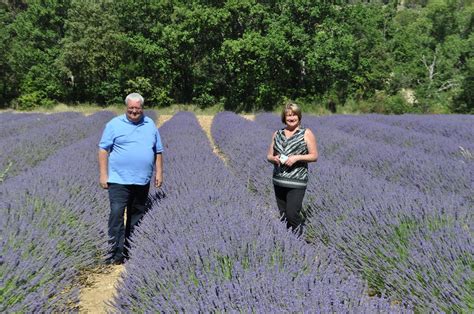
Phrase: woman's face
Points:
(291, 119)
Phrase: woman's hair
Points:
(294, 108)
(134, 96)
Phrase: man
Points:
(129, 149)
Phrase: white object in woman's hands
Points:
(283, 159)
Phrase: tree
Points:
(6, 17)
(35, 35)
(92, 53)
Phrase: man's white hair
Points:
(134, 96)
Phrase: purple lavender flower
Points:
(52, 226)
(210, 244)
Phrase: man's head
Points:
(134, 103)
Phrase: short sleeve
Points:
(158, 144)
(107, 139)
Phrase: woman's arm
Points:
(274, 159)
(312, 154)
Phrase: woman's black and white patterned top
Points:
(295, 176)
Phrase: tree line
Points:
(247, 55)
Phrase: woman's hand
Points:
(275, 160)
(291, 160)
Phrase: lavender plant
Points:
(382, 229)
(430, 144)
(432, 174)
(236, 147)
(210, 245)
(386, 236)
(22, 152)
(29, 122)
(52, 227)
(455, 127)
(8, 117)
(151, 114)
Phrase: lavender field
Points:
(389, 228)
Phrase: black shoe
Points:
(114, 261)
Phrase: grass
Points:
(88, 109)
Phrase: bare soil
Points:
(206, 123)
(100, 288)
(250, 117)
(162, 118)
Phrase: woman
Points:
(292, 148)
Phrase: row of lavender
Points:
(28, 141)
(456, 127)
(434, 166)
(8, 116)
(209, 245)
(366, 126)
(16, 123)
(418, 246)
(53, 218)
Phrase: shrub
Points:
(204, 100)
(34, 100)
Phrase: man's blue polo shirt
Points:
(132, 148)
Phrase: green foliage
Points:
(140, 85)
(396, 104)
(34, 100)
(247, 55)
(33, 38)
(225, 266)
(4, 172)
(464, 101)
(204, 100)
(91, 54)
(153, 95)
(6, 86)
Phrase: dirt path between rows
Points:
(162, 118)
(100, 288)
(101, 283)
(206, 123)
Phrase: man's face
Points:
(134, 110)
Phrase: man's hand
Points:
(103, 181)
(103, 174)
(158, 181)
(159, 170)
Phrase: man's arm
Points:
(103, 168)
(159, 170)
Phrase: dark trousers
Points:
(121, 196)
(290, 203)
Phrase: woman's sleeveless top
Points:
(295, 176)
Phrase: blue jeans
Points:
(121, 196)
